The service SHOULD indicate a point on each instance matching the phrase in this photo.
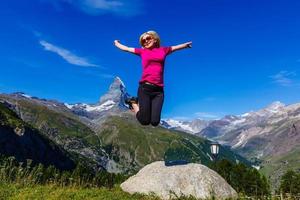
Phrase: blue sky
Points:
(245, 55)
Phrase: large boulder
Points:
(180, 180)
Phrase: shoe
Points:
(129, 101)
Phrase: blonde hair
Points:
(152, 34)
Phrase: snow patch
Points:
(260, 155)
(256, 167)
(275, 107)
(238, 121)
(245, 114)
(68, 105)
(119, 79)
(174, 124)
(242, 140)
(27, 96)
(90, 108)
(104, 106)
(244, 137)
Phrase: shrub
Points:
(26, 173)
(245, 180)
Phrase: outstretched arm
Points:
(181, 46)
(123, 47)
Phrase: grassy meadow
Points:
(54, 192)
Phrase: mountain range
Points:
(104, 135)
(270, 136)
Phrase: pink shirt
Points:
(153, 61)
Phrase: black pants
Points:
(151, 99)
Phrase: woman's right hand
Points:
(116, 42)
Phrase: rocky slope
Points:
(57, 123)
(22, 141)
(273, 130)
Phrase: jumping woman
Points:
(151, 86)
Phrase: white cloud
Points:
(102, 4)
(97, 7)
(181, 118)
(203, 115)
(67, 55)
(284, 78)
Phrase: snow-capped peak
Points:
(245, 114)
(27, 96)
(275, 107)
(119, 79)
(22, 94)
(70, 106)
(112, 102)
(116, 92)
(193, 126)
(179, 124)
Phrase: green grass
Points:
(9, 118)
(52, 192)
(277, 166)
(66, 124)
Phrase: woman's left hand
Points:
(188, 44)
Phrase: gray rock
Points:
(181, 180)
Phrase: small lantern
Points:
(214, 149)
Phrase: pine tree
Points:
(290, 183)
(245, 180)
